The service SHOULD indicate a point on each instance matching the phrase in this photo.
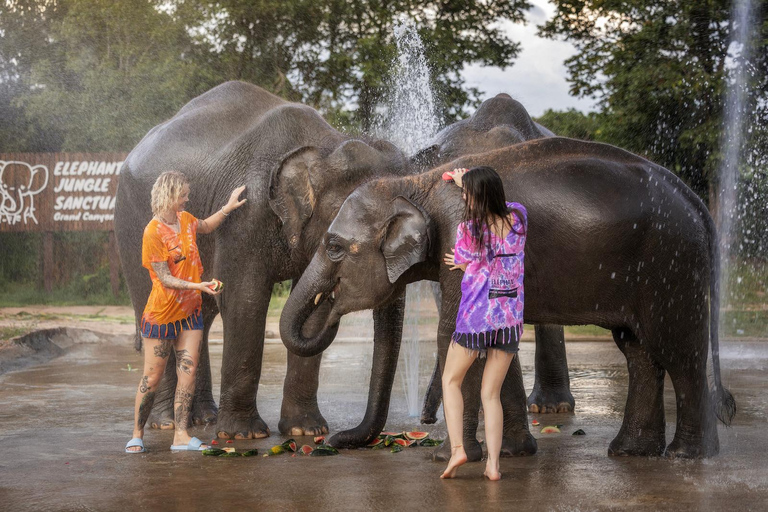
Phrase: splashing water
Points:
(409, 120)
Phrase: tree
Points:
(107, 73)
(661, 69)
(335, 54)
(574, 124)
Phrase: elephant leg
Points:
(161, 416)
(551, 387)
(433, 397)
(204, 410)
(241, 362)
(387, 335)
(517, 438)
(300, 414)
(642, 431)
(696, 426)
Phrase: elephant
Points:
(614, 240)
(297, 170)
(499, 122)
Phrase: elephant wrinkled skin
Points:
(614, 240)
(297, 170)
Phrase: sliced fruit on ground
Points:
(229, 441)
(214, 442)
(418, 436)
(405, 442)
(214, 452)
(250, 453)
(319, 439)
(388, 440)
(579, 432)
(375, 442)
(289, 445)
(230, 454)
(535, 423)
(550, 430)
(323, 450)
(305, 450)
(276, 450)
(396, 448)
(391, 434)
(431, 442)
(229, 449)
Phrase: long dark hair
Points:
(486, 202)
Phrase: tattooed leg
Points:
(187, 357)
(156, 354)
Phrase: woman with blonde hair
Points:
(173, 318)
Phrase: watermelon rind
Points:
(416, 436)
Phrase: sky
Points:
(538, 77)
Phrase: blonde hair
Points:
(166, 190)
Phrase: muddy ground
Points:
(65, 420)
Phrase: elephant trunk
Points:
(301, 314)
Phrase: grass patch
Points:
(18, 294)
(11, 331)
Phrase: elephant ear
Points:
(406, 240)
(291, 194)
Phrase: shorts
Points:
(171, 330)
(506, 339)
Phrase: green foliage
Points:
(573, 123)
(335, 54)
(661, 72)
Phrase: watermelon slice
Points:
(550, 430)
(431, 442)
(276, 450)
(392, 434)
(375, 442)
(396, 448)
(250, 453)
(305, 450)
(323, 450)
(404, 442)
(213, 452)
(535, 423)
(417, 436)
(319, 439)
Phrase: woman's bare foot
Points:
(492, 474)
(458, 458)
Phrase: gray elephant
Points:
(500, 122)
(614, 240)
(298, 170)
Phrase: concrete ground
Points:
(64, 423)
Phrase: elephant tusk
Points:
(317, 299)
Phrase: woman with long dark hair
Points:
(489, 249)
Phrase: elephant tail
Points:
(725, 405)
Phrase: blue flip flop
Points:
(136, 441)
(194, 445)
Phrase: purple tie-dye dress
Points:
(491, 308)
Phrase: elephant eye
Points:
(334, 250)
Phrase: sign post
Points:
(48, 192)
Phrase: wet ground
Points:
(64, 423)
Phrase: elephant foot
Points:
(161, 417)
(679, 449)
(545, 401)
(646, 446)
(241, 426)
(518, 444)
(204, 412)
(472, 448)
(428, 417)
(303, 424)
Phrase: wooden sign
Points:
(58, 191)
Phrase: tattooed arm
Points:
(169, 281)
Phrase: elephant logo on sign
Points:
(20, 182)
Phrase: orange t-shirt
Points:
(179, 250)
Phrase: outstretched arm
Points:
(214, 221)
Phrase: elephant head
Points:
(306, 190)
(373, 241)
(499, 122)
